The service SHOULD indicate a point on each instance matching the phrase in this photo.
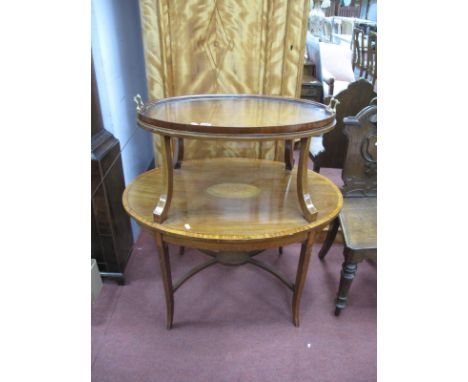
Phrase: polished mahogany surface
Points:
(242, 115)
(232, 199)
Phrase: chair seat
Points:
(358, 220)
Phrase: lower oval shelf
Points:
(232, 199)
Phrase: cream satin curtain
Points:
(224, 46)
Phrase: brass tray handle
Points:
(333, 103)
(139, 102)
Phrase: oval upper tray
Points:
(236, 116)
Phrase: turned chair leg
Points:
(331, 235)
(316, 168)
(347, 276)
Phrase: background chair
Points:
(333, 65)
(359, 48)
(326, 31)
(364, 49)
(358, 218)
(371, 62)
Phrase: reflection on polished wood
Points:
(233, 190)
(230, 225)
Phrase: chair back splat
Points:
(360, 165)
(358, 217)
(353, 99)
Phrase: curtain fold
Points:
(224, 46)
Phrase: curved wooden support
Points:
(165, 267)
(273, 271)
(193, 272)
(162, 208)
(302, 268)
(305, 200)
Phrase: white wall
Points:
(117, 49)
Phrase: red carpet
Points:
(234, 323)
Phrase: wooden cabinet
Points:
(111, 235)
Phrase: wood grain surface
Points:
(273, 214)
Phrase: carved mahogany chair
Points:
(358, 218)
(351, 100)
